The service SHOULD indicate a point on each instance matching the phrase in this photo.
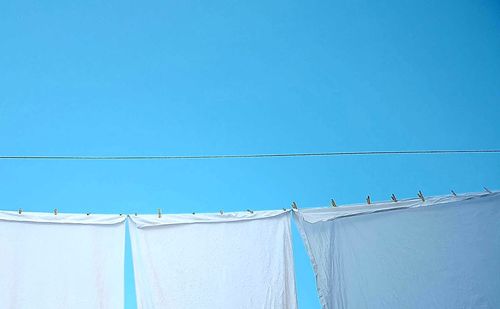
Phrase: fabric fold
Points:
(64, 218)
(142, 221)
(313, 215)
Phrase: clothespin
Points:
(159, 213)
(221, 212)
(421, 195)
(294, 206)
(250, 211)
(487, 190)
(20, 211)
(453, 192)
(55, 211)
(368, 200)
(332, 202)
(393, 198)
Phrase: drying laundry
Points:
(228, 260)
(443, 252)
(61, 261)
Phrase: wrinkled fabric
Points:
(233, 260)
(441, 253)
(61, 261)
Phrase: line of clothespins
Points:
(393, 198)
(294, 205)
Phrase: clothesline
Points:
(248, 156)
(420, 198)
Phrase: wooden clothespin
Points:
(20, 211)
(368, 200)
(487, 190)
(453, 192)
(294, 206)
(159, 213)
(393, 198)
(332, 202)
(250, 211)
(421, 195)
(55, 211)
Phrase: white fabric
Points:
(234, 260)
(443, 253)
(170, 219)
(61, 261)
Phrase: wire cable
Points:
(249, 156)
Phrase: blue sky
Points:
(233, 77)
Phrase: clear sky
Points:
(233, 77)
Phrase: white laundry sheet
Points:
(441, 253)
(61, 261)
(231, 260)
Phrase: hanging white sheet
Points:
(233, 260)
(61, 261)
(441, 253)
